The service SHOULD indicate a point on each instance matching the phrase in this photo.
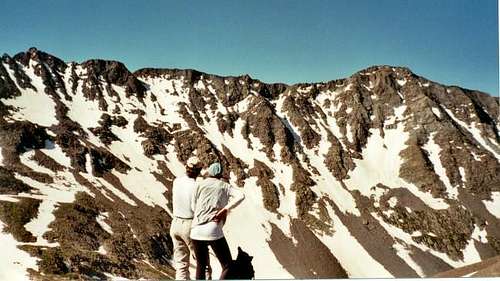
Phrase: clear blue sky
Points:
(454, 42)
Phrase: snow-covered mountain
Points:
(382, 174)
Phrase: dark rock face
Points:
(20, 136)
(9, 184)
(121, 138)
(156, 137)
(269, 190)
(16, 215)
(450, 229)
(112, 72)
(299, 109)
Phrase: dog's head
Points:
(242, 267)
(243, 256)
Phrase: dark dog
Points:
(242, 267)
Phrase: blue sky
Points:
(454, 42)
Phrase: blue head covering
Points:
(215, 169)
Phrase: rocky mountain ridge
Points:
(384, 168)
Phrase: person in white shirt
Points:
(183, 189)
(211, 203)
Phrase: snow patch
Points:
(55, 152)
(392, 202)
(434, 149)
(436, 112)
(348, 87)
(211, 89)
(13, 261)
(470, 274)
(117, 278)
(461, 170)
(405, 254)
(33, 105)
(144, 186)
(386, 150)
(111, 188)
(84, 111)
(101, 221)
(476, 133)
(199, 85)
(8, 198)
(26, 159)
(40, 224)
(102, 251)
(304, 90)
(349, 135)
(343, 244)
(480, 235)
(327, 184)
(493, 205)
(471, 254)
(387, 213)
(476, 157)
(401, 82)
(63, 190)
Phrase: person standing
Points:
(211, 203)
(183, 189)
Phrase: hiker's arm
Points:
(235, 198)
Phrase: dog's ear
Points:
(239, 249)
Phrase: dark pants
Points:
(221, 250)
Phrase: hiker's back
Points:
(211, 196)
(183, 189)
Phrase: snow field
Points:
(342, 245)
(34, 106)
(364, 177)
(62, 190)
(247, 226)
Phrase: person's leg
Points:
(223, 254)
(209, 268)
(201, 254)
(181, 250)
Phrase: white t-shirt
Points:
(209, 231)
(211, 196)
(182, 193)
